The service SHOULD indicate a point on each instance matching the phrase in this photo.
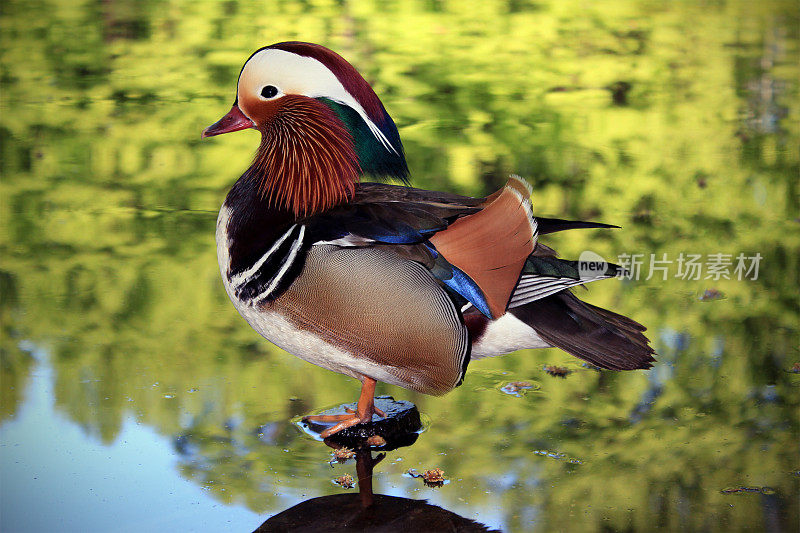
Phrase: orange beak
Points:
(233, 121)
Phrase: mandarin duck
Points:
(386, 282)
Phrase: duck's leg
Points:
(363, 413)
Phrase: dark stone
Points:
(345, 512)
(400, 427)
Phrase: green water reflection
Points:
(678, 121)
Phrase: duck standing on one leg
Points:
(383, 282)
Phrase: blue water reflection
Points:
(64, 479)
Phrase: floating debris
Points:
(376, 441)
(558, 456)
(342, 454)
(619, 92)
(552, 455)
(557, 371)
(346, 481)
(711, 294)
(515, 387)
(590, 366)
(739, 490)
(432, 478)
(435, 476)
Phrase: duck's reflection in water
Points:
(367, 511)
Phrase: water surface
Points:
(135, 398)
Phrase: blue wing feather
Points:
(456, 280)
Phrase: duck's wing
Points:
(389, 214)
(477, 247)
(395, 214)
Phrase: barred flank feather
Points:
(306, 162)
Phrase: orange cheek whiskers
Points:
(306, 162)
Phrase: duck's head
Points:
(322, 126)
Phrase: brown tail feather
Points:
(596, 335)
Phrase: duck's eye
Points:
(269, 91)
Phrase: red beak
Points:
(233, 121)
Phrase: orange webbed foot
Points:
(374, 410)
(362, 414)
(327, 418)
(352, 420)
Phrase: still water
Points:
(135, 398)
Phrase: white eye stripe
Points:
(294, 74)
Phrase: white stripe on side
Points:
(284, 267)
(348, 241)
(243, 277)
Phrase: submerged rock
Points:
(399, 428)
